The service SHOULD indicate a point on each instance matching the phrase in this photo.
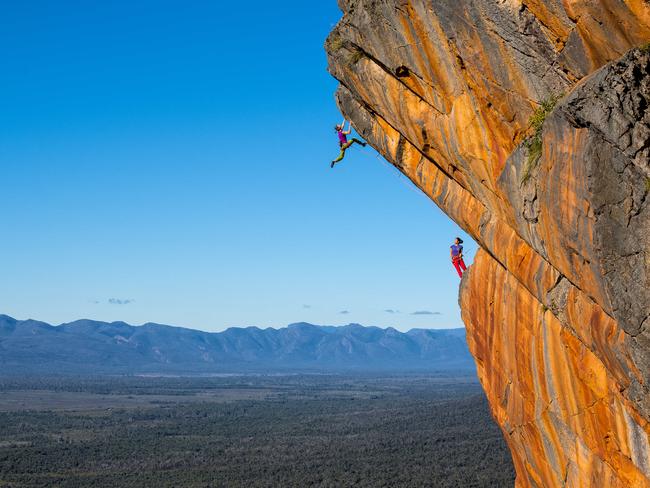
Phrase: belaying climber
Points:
(456, 253)
(343, 140)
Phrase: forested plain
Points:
(250, 431)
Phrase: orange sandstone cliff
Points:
(528, 123)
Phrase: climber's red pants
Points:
(459, 264)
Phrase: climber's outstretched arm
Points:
(349, 128)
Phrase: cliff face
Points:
(557, 302)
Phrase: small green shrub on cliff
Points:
(336, 43)
(534, 142)
(355, 56)
(647, 184)
(546, 107)
(645, 48)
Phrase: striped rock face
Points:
(557, 302)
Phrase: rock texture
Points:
(557, 302)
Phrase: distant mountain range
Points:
(90, 347)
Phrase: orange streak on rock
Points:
(555, 399)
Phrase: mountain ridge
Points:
(88, 346)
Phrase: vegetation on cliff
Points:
(534, 142)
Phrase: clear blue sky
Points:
(168, 161)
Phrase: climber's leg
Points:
(341, 156)
(462, 264)
(354, 139)
(457, 266)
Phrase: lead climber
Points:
(343, 140)
(456, 253)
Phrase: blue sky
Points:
(168, 161)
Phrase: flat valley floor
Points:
(430, 430)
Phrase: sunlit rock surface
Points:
(557, 302)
